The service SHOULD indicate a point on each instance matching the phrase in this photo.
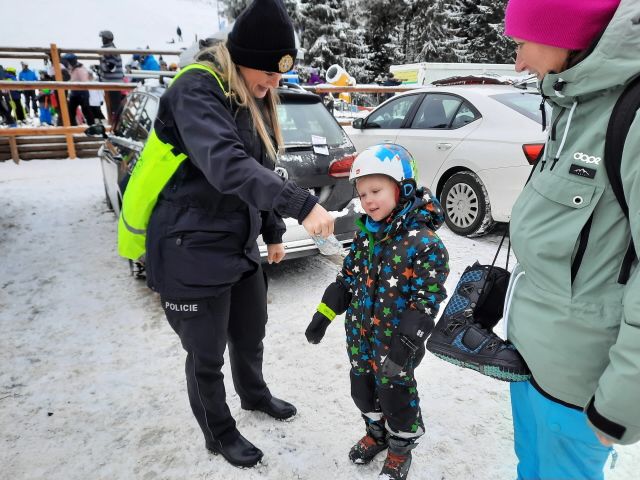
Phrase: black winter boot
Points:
(374, 442)
(239, 452)
(396, 465)
(463, 336)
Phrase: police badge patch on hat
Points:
(285, 63)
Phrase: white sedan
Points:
(473, 144)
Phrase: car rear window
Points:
(526, 103)
(301, 120)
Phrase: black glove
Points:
(316, 329)
(413, 330)
(335, 301)
(401, 349)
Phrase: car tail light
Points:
(532, 151)
(341, 168)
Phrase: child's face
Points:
(377, 195)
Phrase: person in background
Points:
(211, 156)
(391, 286)
(314, 76)
(147, 62)
(30, 101)
(77, 98)
(15, 96)
(391, 81)
(49, 113)
(571, 313)
(5, 102)
(96, 99)
(111, 71)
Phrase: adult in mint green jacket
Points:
(577, 328)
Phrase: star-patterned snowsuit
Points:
(397, 270)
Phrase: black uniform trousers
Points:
(236, 318)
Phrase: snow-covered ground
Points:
(92, 382)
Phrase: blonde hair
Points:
(240, 94)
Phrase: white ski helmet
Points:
(387, 159)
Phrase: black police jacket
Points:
(201, 237)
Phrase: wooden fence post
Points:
(13, 145)
(62, 100)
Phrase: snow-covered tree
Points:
(436, 35)
(320, 20)
(232, 8)
(384, 35)
(354, 55)
(480, 26)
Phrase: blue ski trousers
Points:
(553, 442)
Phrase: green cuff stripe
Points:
(326, 311)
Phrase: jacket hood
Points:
(425, 210)
(614, 62)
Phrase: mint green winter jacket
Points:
(581, 338)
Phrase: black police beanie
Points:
(262, 37)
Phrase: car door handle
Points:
(444, 146)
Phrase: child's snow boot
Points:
(396, 465)
(375, 441)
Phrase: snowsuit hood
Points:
(424, 209)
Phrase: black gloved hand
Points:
(316, 329)
(335, 301)
(413, 330)
(401, 349)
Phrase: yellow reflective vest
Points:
(155, 167)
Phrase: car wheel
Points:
(106, 196)
(466, 205)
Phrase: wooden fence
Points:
(20, 142)
(29, 143)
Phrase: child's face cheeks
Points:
(377, 195)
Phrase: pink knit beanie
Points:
(570, 24)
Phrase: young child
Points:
(391, 285)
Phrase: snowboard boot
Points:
(374, 442)
(460, 339)
(396, 465)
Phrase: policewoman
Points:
(205, 185)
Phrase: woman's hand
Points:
(318, 222)
(275, 252)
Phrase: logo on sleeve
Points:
(581, 171)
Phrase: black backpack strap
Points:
(624, 112)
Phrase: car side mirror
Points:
(94, 130)
(358, 123)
